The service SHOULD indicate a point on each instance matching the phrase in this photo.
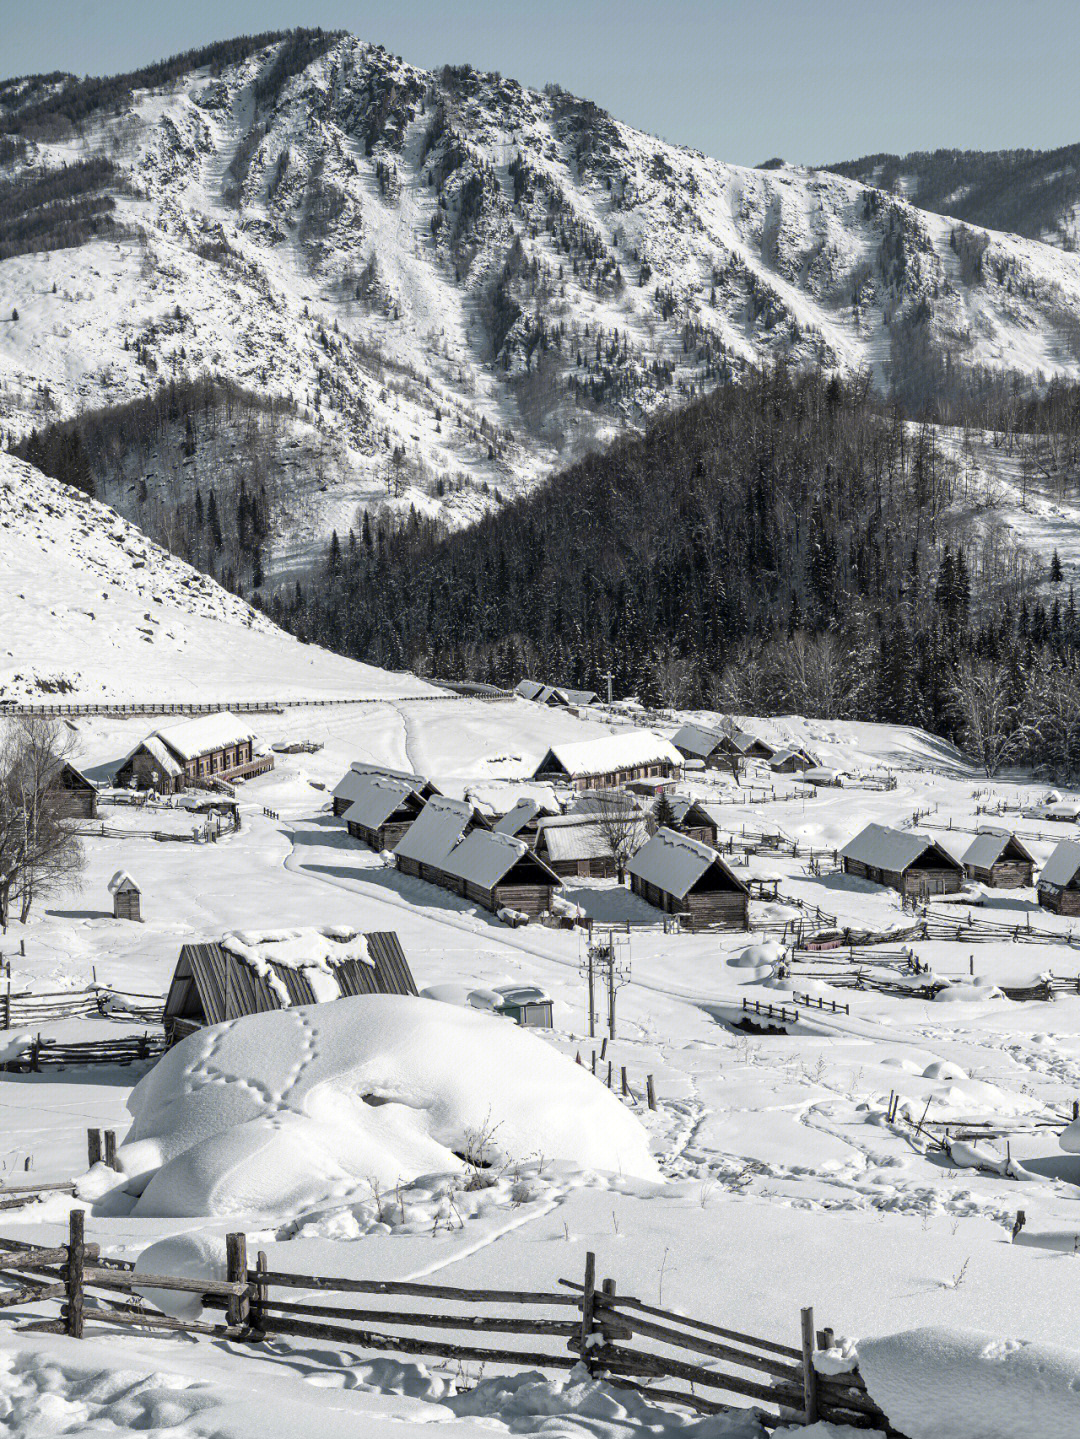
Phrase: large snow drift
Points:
(279, 1112)
(941, 1383)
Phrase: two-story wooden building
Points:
(182, 756)
(610, 760)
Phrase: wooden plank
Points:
(588, 1298)
(665, 1335)
(617, 1357)
(810, 1394)
(101, 1278)
(76, 1260)
(33, 1295)
(414, 1290)
(238, 1307)
(481, 1322)
(622, 1301)
(163, 1321)
(366, 1339)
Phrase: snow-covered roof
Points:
(436, 830)
(675, 862)
(744, 740)
(522, 994)
(353, 783)
(577, 697)
(377, 797)
(892, 849)
(517, 818)
(1062, 865)
(578, 836)
(682, 805)
(203, 735)
(313, 952)
(698, 740)
(121, 880)
(484, 858)
(989, 845)
(529, 689)
(781, 756)
(625, 750)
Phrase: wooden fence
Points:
(41, 1054)
(30, 1008)
(771, 1018)
(235, 706)
(617, 1337)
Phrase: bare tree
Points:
(39, 850)
(991, 725)
(620, 823)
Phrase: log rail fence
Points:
(619, 1338)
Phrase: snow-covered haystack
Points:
(942, 1383)
(278, 1112)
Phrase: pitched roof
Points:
(698, 740)
(121, 882)
(485, 858)
(578, 697)
(988, 847)
(377, 797)
(744, 740)
(781, 755)
(204, 735)
(436, 830)
(675, 862)
(517, 818)
(627, 749)
(893, 849)
(688, 811)
(155, 747)
(352, 783)
(1061, 867)
(529, 689)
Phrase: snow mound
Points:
(939, 1383)
(278, 1113)
(758, 956)
(182, 1256)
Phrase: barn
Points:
(610, 760)
(1059, 883)
(351, 785)
(71, 794)
(442, 823)
(578, 845)
(682, 876)
(498, 871)
(914, 864)
(214, 747)
(249, 971)
(709, 746)
(999, 860)
(383, 810)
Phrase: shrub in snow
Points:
(277, 1113)
(942, 1383)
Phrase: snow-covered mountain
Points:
(93, 611)
(453, 283)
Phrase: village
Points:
(799, 978)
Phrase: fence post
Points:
(257, 1315)
(625, 1085)
(588, 1305)
(650, 1091)
(76, 1248)
(93, 1146)
(110, 1148)
(238, 1308)
(809, 1377)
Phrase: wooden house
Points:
(497, 872)
(127, 899)
(610, 760)
(557, 695)
(250, 972)
(790, 761)
(697, 742)
(692, 818)
(999, 860)
(382, 811)
(1058, 886)
(214, 747)
(682, 876)
(352, 784)
(71, 795)
(749, 746)
(524, 819)
(442, 823)
(914, 864)
(579, 845)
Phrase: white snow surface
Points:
(283, 1111)
(940, 1383)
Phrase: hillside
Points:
(445, 283)
(94, 611)
(1026, 192)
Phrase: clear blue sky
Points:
(809, 80)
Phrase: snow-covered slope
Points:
(91, 610)
(460, 282)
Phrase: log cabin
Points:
(248, 972)
(610, 760)
(523, 820)
(790, 761)
(999, 860)
(692, 818)
(701, 743)
(384, 808)
(682, 876)
(579, 845)
(351, 786)
(913, 864)
(442, 823)
(1058, 887)
(498, 872)
(71, 795)
(214, 747)
(557, 695)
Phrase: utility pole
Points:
(609, 677)
(587, 967)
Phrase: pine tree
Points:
(1056, 572)
(663, 813)
(213, 521)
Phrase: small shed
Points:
(351, 786)
(525, 1005)
(443, 822)
(683, 876)
(127, 897)
(1000, 860)
(71, 794)
(498, 871)
(383, 810)
(250, 971)
(1059, 883)
(913, 864)
(750, 746)
(579, 844)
